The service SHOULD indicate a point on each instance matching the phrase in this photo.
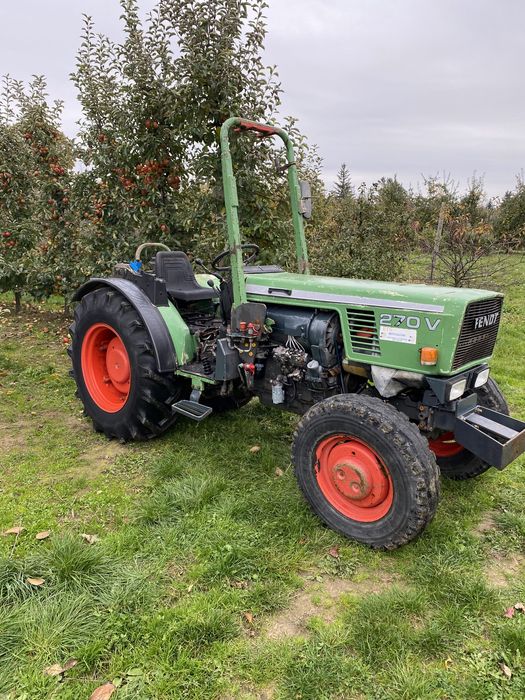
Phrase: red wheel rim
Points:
(106, 368)
(445, 445)
(353, 479)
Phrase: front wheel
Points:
(455, 462)
(365, 470)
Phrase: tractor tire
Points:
(115, 370)
(455, 462)
(365, 470)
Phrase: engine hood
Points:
(371, 293)
(386, 324)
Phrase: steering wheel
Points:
(245, 246)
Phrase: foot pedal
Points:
(192, 409)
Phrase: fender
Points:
(163, 349)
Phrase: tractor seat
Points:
(174, 267)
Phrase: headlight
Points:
(457, 389)
(482, 378)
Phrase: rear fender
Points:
(163, 341)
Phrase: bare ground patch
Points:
(18, 435)
(504, 568)
(486, 524)
(247, 692)
(95, 459)
(77, 421)
(13, 436)
(321, 599)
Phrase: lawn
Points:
(190, 567)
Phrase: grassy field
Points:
(208, 576)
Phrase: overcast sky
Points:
(391, 87)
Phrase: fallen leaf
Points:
(58, 670)
(334, 552)
(54, 670)
(505, 670)
(519, 606)
(70, 663)
(255, 448)
(90, 539)
(42, 535)
(279, 472)
(448, 663)
(103, 692)
(509, 612)
(248, 616)
(35, 581)
(14, 531)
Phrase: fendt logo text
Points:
(486, 321)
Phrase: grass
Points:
(204, 550)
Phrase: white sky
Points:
(405, 87)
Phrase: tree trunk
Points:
(437, 242)
(18, 302)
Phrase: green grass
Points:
(206, 558)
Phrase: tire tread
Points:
(419, 461)
(156, 393)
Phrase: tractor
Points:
(391, 381)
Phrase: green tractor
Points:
(391, 380)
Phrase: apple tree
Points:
(152, 108)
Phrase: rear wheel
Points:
(455, 462)
(115, 370)
(365, 470)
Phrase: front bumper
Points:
(494, 437)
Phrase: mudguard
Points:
(162, 343)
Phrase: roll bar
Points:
(231, 201)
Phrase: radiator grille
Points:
(478, 331)
(363, 331)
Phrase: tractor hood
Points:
(408, 297)
(388, 323)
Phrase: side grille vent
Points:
(478, 331)
(363, 331)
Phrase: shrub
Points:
(510, 217)
(363, 235)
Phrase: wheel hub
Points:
(351, 481)
(444, 445)
(106, 368)
(353, 478)
(117, 361)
